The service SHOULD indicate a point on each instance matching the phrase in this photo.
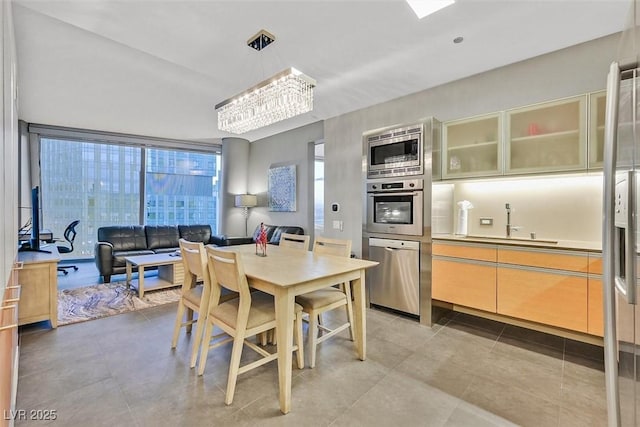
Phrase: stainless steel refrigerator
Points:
(621, 206)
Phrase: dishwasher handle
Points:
(394, 244)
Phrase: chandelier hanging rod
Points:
(281, 74)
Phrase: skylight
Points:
(423, 8)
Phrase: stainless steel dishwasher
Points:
(395, 283)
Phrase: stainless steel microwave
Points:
(395, 152)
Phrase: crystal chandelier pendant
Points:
(285, 95)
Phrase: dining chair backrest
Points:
(227, 271)
(194, 260)
(337, 247)
(295, 241)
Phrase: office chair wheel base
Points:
(65, 272)
(75, 268)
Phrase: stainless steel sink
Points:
(513, 239)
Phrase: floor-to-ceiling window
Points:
(104, 184)
(181, 187)
(98, 184)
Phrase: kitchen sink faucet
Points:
(510, 227)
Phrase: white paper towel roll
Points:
(463, 217)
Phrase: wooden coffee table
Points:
(170, 271)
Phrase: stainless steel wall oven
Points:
(395, 207)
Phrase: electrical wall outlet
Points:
(337, 225)
(486, 221)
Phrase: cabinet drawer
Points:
(537, 258)
(476, 252)
(595, 264)
(554, 299)
(465, 283)
(595, 309)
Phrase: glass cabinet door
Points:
(597, 105)
(547, 137)
(472, 147)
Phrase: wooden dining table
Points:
(285, 273)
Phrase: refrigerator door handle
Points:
(608, 244)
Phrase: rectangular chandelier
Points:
(287, 94)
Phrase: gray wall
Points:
(290, 147)
(572, 71)
(8, 147)
(235, 158)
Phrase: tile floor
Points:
(465, 371)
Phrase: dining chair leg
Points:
(189, 320)
(178, 325)
(347, 291)
(234, 366)
(197, 340)
(299, 340)
(313, 338)
(204, 346)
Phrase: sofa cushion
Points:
(275, 237)
(196, 233)
(124, 238)
(161, 236)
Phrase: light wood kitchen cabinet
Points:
(465, 274)
(597, 106)
(544, 258)
(544, 285)
(472, 147)
(552, 298)
(476, 252)
(549, 287)
(468, 283)
(547, 137)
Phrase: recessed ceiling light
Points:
(423, 8)
(458, 40)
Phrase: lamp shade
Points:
(246, 201)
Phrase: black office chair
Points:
(69, 236)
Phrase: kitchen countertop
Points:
(575, 245)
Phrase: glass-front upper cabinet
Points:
(597, 106)
(472, 147)
(547, 137)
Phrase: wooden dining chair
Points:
(317, 302)
(194, 297)
(295, 241)
(248, 315)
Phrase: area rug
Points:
(107, 299)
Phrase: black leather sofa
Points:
(273, 235)
(117, 242)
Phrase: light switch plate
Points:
(486, 221)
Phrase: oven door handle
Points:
(391, 193)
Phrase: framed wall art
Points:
(282, 188)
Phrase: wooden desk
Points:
(38, 279)
(285, 274)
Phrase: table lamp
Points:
(246, 201)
